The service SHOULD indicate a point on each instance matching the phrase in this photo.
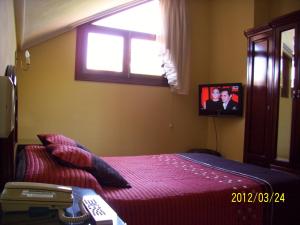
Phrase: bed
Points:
(186, 188)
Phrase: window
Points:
(121, 48)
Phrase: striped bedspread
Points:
(170, 189)
(178, 189)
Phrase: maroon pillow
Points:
(41, 168)
(71, 155)
(48, 139)
(78, 158)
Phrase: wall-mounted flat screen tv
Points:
(221, 99)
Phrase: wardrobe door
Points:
(259, 132)
(295, 140)
(286, 155)
(285, 81)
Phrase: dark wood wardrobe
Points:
(9, 123)
(272, 129)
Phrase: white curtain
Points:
(174, 39)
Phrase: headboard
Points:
(8, 124)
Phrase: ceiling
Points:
(40, 20)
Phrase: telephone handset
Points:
(22, 196)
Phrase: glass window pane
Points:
(145, 57)
(104, 52)
(148, 14)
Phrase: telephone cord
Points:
(85, 215)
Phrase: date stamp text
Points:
(260, 197)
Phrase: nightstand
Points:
(50, 218)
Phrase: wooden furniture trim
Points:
(268, 158)
(262, 35)
(257, 30)
(276, 91)
(289, 18)
(7, 144)
(295, 144)
(7, 159)
(293, 17)
(125, 77)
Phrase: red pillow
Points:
(78, 158)
(38, 166)
(72, 155)
(48, 139)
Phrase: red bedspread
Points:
(171, 190)
(166, 189)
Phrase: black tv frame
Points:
(238, 113)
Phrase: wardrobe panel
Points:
(258, 98)
(272, 127)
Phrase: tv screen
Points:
(221, 99)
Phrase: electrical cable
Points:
(216, 134)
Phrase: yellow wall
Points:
(8, 35)
(265, 10)
(114, 119)
(262, 12)
(228, 58)
(111, 119)
(228, 64)
(281, 7)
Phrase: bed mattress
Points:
(171, 189)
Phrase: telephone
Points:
(24, 196)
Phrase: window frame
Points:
(125, 77)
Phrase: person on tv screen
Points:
(227, 102)
(214, 103)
